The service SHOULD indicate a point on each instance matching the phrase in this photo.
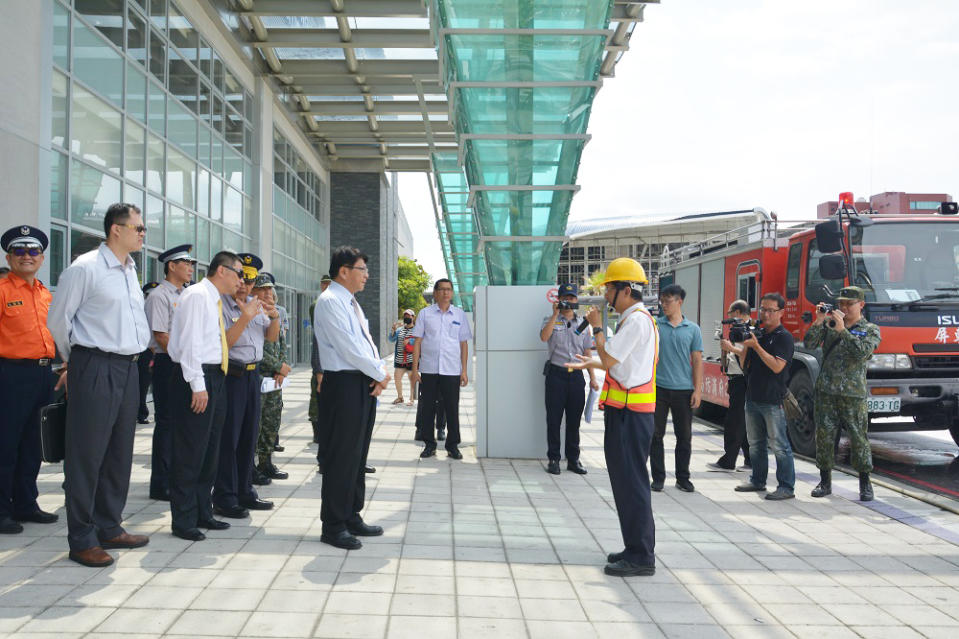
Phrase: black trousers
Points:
(234, 475)
(734, 424)
(101, 420)
(676, 402)
(437, 408)
(24, 390)
(565, 394)
(196, 446)
(626, 443)
(352, 412)
(162, 427)
(143, 366)
(445, 388)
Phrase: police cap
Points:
(149, 286)
(181, 252)
(568, 289)
(251, 265)
(263, 280)
(23, 236)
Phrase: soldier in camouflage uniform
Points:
(840, 397)
(272, 365)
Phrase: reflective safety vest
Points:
(640, 399)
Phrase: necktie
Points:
(362, 320)
(224, 357)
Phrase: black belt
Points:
(46, 361)
(346, 372)
(239, 369)
(107, 354)
(206, 368)
(562, 369)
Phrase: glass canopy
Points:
(520, 79)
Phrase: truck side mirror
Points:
(829, 236)
(832, 267)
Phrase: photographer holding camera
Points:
(768, 352)
(847, 342)
(565, 388)
(734, 424)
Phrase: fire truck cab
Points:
(909, 267)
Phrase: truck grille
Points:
(936, 361)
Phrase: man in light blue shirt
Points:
(353, 377)
(99, 325)
(442, 333)
(679, 380)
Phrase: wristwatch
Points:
(597, 330)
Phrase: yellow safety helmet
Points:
(625, 269)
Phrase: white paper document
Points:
(269, 385)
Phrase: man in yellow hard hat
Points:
(629, 401)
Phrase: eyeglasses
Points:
(358, 268)
(237, 271)
(769, 310)
(20, 251)
(444, 290)
(138, 228)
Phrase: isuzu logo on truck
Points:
(948, 320)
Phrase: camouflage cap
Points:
(853, 293)
(263, 280)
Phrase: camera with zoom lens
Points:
(826, 309)
(567, 306)
(739, 330)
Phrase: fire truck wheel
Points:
(802, 430)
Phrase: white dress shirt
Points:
(441, 334)
(633, 346)
(195, 333)
(159, 305)
(341, 341)
(99, 304)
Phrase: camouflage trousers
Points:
(833, 412)
(271, 408)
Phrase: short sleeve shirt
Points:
(564, 344)
(762, 386)
(249, 347)
(676, 345)
(633, 347)
(441, 333)
(23, 319)
(159, 306)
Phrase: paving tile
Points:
(491, 628)
(373, 603)
(292, 601)
(59, 619)
(423, 605)
(288, 624)
(142, 620)
(201, 623)
(403, 627)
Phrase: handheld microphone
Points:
(582, 326)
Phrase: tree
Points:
(412, 280)
(594, 283)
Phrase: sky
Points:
(734, 104)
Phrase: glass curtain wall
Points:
(145, 111)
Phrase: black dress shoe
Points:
(369, 470)
(277, 448)
(213, 524)
(576, 467)
(685, 485)
(233, 512)
(256, 504)
(192, 534)
(454, 452)
(657, 486)
(9, 527)
(625, 568)
(271, 471)
(38, 517)
(341, 539)
(613, 557)
(143, 420)
(553, 467)
(429, 451)
(363, 529)
(440, 434)
(260, 479)
(160, 495)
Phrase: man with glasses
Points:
(847, 341)
(26, 381)
(353, 377)
(679, 379)
(98, 322)
(442, 333)
(249, 322)
(766, 364)
(734, 423)
(178, 266)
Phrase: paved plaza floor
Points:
(497, 548)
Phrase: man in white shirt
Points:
(439, 364)
(198, 349)
(100, 328)
(629, 401)
(353, 377)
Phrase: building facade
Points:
(891, 203)
(153, 102)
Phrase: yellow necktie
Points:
(224, 358)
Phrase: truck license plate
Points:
(883, 404)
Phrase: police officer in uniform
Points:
(144, 366)
(565, 387)
(272, 365)
(629, 401)
(249, 322)
(847, 341)
(26, 383)
(178, 267)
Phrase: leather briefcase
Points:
(53, 432)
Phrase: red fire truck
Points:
(906, 263)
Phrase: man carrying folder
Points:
(26, 350)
